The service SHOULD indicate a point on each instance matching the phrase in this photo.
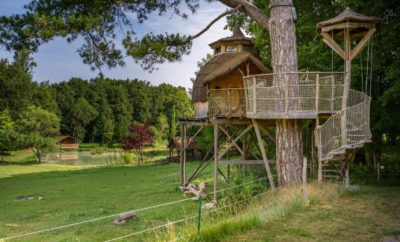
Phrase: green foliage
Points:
(172, 125)
(162, 124)
(38, 129)
(8, 135)
(128, 158)
(98, 23)
(108, 133)
(82, 113)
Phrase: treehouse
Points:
(234, 89)
(67, 142)
(218, 88)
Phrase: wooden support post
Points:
(264, 156)
(228, 168)
(184, 153)
(305, 178)
(317, 93)
(244, 143)
(347, 173)
(378, 171)
(215, 160)
(346, 88)
(319, 171)
(254, 97)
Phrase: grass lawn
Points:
(75, 195)
(366, 214)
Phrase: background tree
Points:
(108, 133)
(8, 135)
(82, 113)
(38, 130)
(140, 136)
(162, 125)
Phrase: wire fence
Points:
(196, 216)
(116, 214)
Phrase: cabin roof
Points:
(219, 66)
(349, 16)
(60, 138)
(175, 142)
(237, 37)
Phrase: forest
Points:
(99, 110)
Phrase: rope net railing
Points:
(295, 95)
(305, 95)
(354, 119)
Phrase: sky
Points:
(59, 61)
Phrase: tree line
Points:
(99, 110)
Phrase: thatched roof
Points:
(66, 138)
(219, 66)
(237, 37)
(349, 16)
(175, 143)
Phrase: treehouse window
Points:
(231, 48)
(218, 50)
(217, 88)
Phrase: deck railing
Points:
(229, 102)
(304, 95)
(293, 95)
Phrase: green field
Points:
(74, 193)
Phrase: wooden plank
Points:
(215, 160)
(183, 137)
(332, 43)
(264, 156)
(243, 162)
(268, 133)
(234, 141)
(346, 25)
(197, 123)
(232, 121)
(362, 43)
(254, 96)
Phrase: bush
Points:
(127, 158)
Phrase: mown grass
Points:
(332, 213)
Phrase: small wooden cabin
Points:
(67, 142)
(175, 144)
(218, 88)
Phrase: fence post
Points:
(317, 93)
(305, 178)
(199, 218)
(254, 97)
(229, 102)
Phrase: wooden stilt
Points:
(347, 173)
(305, 178)
(215, 160)
(264, 156)
(244, 143)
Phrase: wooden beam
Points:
(268, 133)
(234, 141)
(232, 121)
(198, 123)
(332, 43)
(229, 137)
(264, 156)
(194, 136)
(346, 25)
(362, 43)
(243, 162)
(182, 179)
(215, 160)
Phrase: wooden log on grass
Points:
(123, 217)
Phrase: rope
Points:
(362, 74)
(112, 215)
(366, 76)
(192, 217)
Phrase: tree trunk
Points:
(289, 143)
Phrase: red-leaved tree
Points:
(139, 137)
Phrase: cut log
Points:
(123, 217)
(197, 192)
